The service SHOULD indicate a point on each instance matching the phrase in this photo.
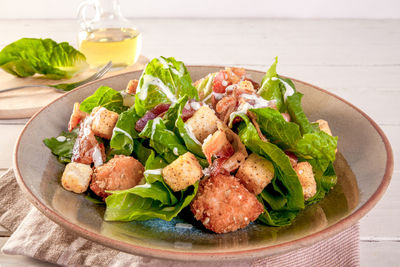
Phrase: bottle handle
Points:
(82, 13)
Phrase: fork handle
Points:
(23, 86)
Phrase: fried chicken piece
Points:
(119, 173)
(224, 205)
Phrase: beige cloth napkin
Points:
(36, 236)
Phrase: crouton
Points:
(324, 126)
(224, 205)
(131, 87)
(203, 123)
(119, 173)
(246, 86)
(306, 177)
(103, 122)
(255, 173)
(76, 177)
(182, 172)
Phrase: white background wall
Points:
(10, 9)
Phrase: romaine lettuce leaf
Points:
(152, 200)
(174, 122)
(140, 151)
(128, 207)
(204, 88)
(297, 114)
(124, 133)
(62, 145)
(319, 146)
(273, 125)
(325, 181)
(164, 141)
(106, 97)
(164, 80)
(248, 135)
(29, 56)
(314, 145)
(278, 218)
(274, 87)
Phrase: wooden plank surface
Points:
(358, 60)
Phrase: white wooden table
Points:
(358, 60)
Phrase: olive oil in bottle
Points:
(120, 45)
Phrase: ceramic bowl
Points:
(364, 166)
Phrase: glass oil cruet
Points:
(107, 35)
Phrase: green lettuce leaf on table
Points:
(164, 80)
(29, 56)
(152, 200)
(106, 97)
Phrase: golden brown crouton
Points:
(131, 87)
(203, 123)
(246, 86)
(255, 173)
(76, 177)
(324, 126)
(224, 205)
(306, 177)
(182, 172)
(103, 122)
(119, 173)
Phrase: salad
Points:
(226, 148)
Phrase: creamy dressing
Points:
(231, 87)
(150, 80)
(96, 155)
(175, 151)
(195, 105)
(191, 134)
(143, 186)
(61, 139)
(184, 225)
(206, 171)
(170, 66)
(289, 90)
(156, 121)
(259, 101)
(242, 110)
(218, 96)
(154, 172)
(116, 129)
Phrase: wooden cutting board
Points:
(23, 103)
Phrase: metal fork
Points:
(63, 87)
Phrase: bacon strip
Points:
(150, 115)
(253, 119)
